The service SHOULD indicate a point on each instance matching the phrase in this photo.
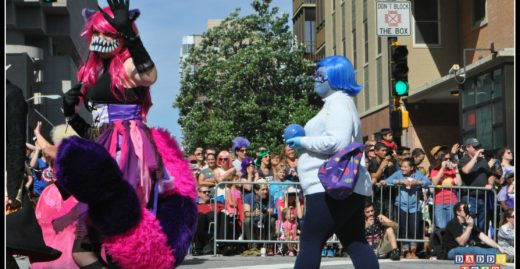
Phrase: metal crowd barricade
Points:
(387, 199)
(232, 232)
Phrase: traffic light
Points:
(399, 119)
(399, 70)
(49, 1)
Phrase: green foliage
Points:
(249, 80)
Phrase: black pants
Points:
(325, 216)
(202, 237)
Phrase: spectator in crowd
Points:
(387, 138)
(225, 172)
(290, 231)
(207, 175)
(206, 153)
(418, 156)
(233, 209)
(505, 156)
(475, 172)
(249, 174)
(291, 199)
(506, 234)
(446, 174)
(506, 196)
(402, 153)
(462, 237)
(263, 164)
(259, 221)
(206, 215)
(411, 224)
(240, 145)
(382, 166)
(199, 161)
(275, 160)
(288, 156)
(370, 152)
(39, 162)
(380, 233)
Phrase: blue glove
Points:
(295, 142)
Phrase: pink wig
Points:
(227, 164)
(89, 73)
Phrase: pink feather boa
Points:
(144, 246)
(183, 181)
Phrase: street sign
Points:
(393, 18)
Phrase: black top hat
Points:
(24, 235)
(385, 131)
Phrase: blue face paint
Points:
(321, 83)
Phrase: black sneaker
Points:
(394, 255)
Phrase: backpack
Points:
(438, 248)
(339, 174)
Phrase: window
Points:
(309, 36)
(334, 31)
(483, 109)
(479, 11)
(427, 23)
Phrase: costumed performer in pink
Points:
(115, 86)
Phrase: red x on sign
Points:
(392, 18)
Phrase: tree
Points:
(247, 78)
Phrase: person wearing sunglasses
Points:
(445, 173)
(330, 130)
(240, 145)
(225, 172)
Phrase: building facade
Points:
(445, 106)
(44, 50)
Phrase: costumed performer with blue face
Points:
(335, 126)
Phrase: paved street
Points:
(278, 262)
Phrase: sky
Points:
(162, 25)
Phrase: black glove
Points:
(79, 125)
(123, 23)
(71, 100)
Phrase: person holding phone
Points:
(463, 237)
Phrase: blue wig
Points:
(340, 74)
(240, 142)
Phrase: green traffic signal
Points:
(401, 88)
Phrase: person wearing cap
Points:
(333, 128)
(475, 172)
(387, 138)
(240, 145)
(263, 164)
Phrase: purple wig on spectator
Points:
(240, 142)
(245, 163)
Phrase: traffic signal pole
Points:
(393, 101)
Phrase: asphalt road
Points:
(278, 262)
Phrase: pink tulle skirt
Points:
(50, 206)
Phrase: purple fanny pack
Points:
(339, 174)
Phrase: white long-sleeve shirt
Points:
(335, 126)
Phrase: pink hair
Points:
(89, 72)
(224, 164)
